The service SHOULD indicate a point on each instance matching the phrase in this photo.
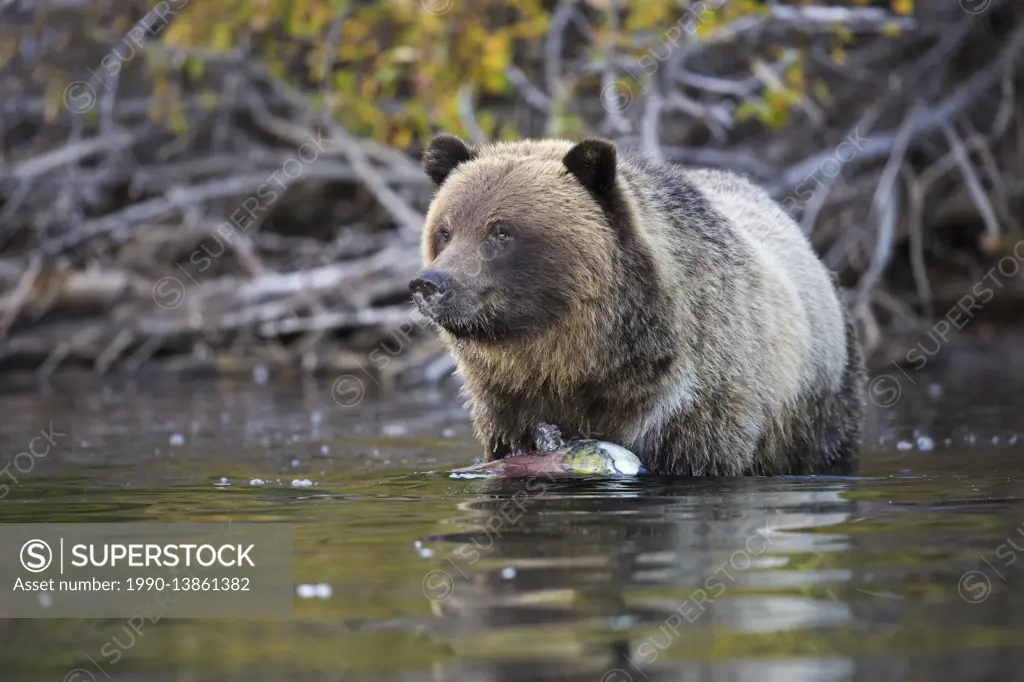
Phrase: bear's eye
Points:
(444, 236)
(501, 232)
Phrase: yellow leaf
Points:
(748, 109)
(891, 29)
(496, 57)
(402, 138)
(222, 37)
(195, 68)
(904, 7)
(820, 90)
(844, 34)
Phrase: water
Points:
(402, 573)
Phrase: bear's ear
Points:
(592, 161)
(443, 155)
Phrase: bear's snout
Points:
(429, 287)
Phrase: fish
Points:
(585, 457)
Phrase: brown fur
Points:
(679, 313)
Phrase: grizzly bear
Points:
(680, 313)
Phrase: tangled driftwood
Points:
(186, 268)
(264, 232)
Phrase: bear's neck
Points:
(555, 361)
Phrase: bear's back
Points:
(781, 247)
(765, 259)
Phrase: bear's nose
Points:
(430, 286)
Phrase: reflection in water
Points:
(662, 568)
(910, 570)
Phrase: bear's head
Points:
(520, 238)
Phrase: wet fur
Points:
(677, 312)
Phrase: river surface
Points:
(907, 571)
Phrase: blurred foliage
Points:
(397, 67)
(394, 70)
